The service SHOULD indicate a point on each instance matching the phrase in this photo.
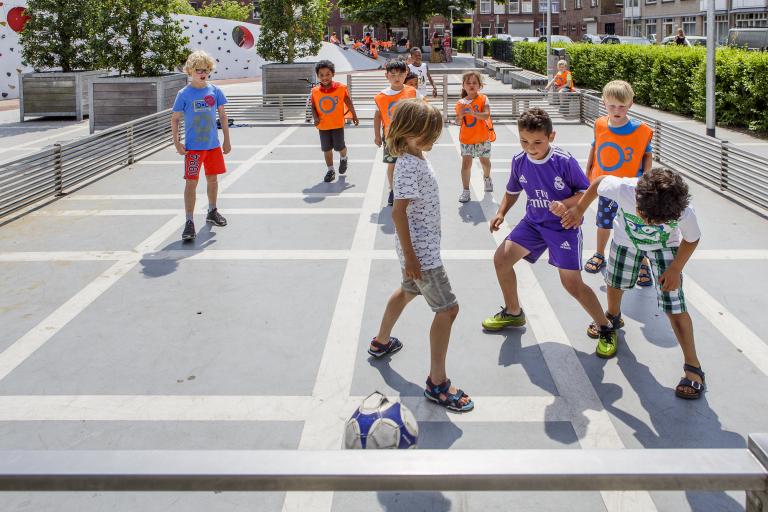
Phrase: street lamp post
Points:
(710, 98)
(549, 38)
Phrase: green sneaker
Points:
(503, 319)
(607, 343)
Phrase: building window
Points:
(555, 6)
(668, 26)
(498, 8)
(650, 1)
(485, 30)
(593, 3)
(650, 29)
(527, 6)
(752, 20)
(485, 6)
(514, 7)
(689, 25)
(499, 29)
(577, 4)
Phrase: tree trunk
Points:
(414, 31)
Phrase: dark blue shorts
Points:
(606, 211)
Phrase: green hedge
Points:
(670, 78)
(463, 44)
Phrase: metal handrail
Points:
(387, 470)
(708, 160)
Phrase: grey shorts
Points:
(332, 139)
(434, 286)
(482, 149)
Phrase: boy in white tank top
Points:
(420, 69)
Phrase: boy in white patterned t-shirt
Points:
(415, 127)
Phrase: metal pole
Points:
(711, 68)
(549, 39)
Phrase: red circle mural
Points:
(243, 37)
(17, 18)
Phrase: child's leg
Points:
(190, 188)
(602, 240)
(397, 302)
(466, 171)
(390, 174)
(486, 163)
(328, 155)
(342, 153)
(614, 300)
(439, 335)
(573, 283)
(504, 260)
(213, 190)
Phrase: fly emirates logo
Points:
(540, 200)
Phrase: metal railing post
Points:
(130, 144)
(445, 97)
(58, 178)
(656, 143)
(757, 501)
(349, 84)
(280, 108)
(723, 165)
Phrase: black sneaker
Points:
(214, 217)
(343, 166)
(391, 199)
(330, 176)
(189, 231)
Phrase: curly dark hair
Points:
(661, 195)
(535, 120)
(325, 64)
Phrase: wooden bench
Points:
(506, 77)
(527, 79)
(495, 69)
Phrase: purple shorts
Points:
(564, 245)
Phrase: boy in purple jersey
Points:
(553, 182)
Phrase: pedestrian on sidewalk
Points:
(330, 99)
(473, 115)
(199, 102)
(415, 127)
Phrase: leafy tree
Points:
(182, 7)
(57, 34)
(291, 29)
(139, 37)
(227, 9)
(412, 13)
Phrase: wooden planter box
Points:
(55, 93)
(287, 78)
(116, 100)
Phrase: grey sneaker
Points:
(464, 196)
(488, 184)
(329, 176)
(189, 231)
(214, 217)
(343, 166)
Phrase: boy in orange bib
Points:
(329, 100)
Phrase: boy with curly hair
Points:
(654, 219)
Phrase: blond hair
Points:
(465, 76)
(413, 119)
(562, 61)
(199, 60)
(619, 90)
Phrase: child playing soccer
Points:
(329, 99)
(199, 102)
(415, 127)
(551, 179)
(655, 220)
(563, 80)
(396, 71)
(420, 68)
(622, 147)
(473, 114)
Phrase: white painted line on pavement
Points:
(592, 424)
(179, 162)
(175, 211)
(264, 195)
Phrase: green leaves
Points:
(291, 29)
(226, 9)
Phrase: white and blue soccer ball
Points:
(380, 424)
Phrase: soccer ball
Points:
(379, 423)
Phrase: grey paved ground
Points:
(118, 336)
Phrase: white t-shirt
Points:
(414, 179)
(421, 72)
(391, 92)
(630, 230)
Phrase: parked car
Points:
(556, 39)
(625, 40)
(592, 38)
(511, 39)
(749, 38)
(689, 40)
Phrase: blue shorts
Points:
(606, 211)
(564, 245)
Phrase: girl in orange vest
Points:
(473, 114)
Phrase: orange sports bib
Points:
(619, 155)
(330, 106)
(474, 130)
(386, 104)
(561, 79)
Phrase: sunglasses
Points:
(202, 71)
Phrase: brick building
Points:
(579, 17)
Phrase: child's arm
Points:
(432, 83)
(507, 202)
(572, 218)
(560, 208)
(400, 219)
(348, 103)
(175, 121)
(377, 127)
(647, 162)
(670, 279)
(568, 81)
(226, 146)
(485, 114)
(590, 162)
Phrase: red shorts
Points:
(211, 159)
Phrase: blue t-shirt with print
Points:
(199, 106)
